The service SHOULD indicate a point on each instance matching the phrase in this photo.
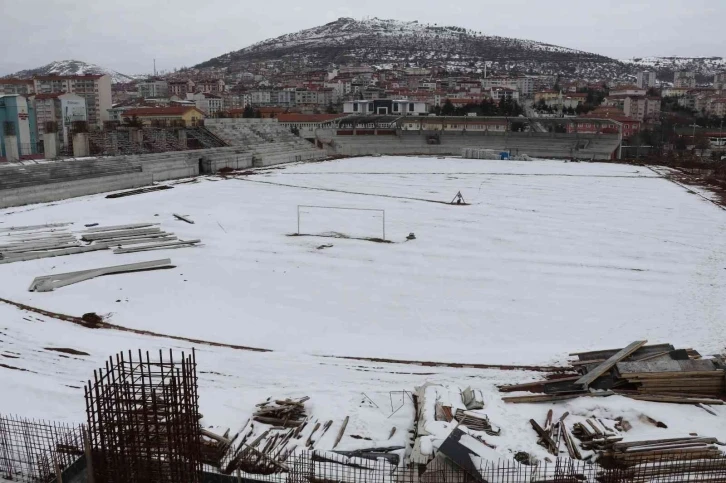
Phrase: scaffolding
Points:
(143, 420)
(36, 451)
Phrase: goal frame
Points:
(383, 213)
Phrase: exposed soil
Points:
(458, 365)
(94, 321)
(67, 350)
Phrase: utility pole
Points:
(154, 67)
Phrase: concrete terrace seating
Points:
(62, 171)
(268, 142)
(541, 145)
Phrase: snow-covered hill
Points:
(376, 41)
(706, 66)
(73, 67)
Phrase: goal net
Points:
(341, 221)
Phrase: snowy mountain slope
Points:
(705, 66)
(73, 67)
(377, 41)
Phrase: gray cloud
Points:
(128, 35)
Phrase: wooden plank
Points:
(606, 353)
(552, 398)
(591, 376)
(342, 430)
(158, 246)
(686, 439)
(674, 399)
(545, 437)
(664, 366)
(119, 227)
(53, 253)
(183, 218)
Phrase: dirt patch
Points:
(67, 350)
(715, 186)
(459, 365)
(16, 368)
(95, 321)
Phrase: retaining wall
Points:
(72, 189)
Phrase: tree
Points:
(248, 112)
(330, 109)
(702, 143)
(448, 109)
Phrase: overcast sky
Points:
(126, 35)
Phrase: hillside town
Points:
(678, 112)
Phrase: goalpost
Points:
(340, 220)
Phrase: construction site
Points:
(370, 307)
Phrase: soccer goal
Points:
(338, 221)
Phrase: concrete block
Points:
(11, 148)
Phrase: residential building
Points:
(178, 115)
(547, 96)
(719, 81)
(260, 98)
(116, 113)
(645, 79)
(153, 88)
(307, 124)
(214, 86)
(642, 108)
(62, 109)
(181, 88)
(716, 106)
(17, 117)
(402, 107)
(684, 79)
(95, 89)
(16, 86)
(499, 94)
(675, 91)
(523, 84)
(629, 125)
(209, 104)
(628, 90)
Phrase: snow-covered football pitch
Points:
(544, 258)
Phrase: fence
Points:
(35, 451)
(333, 467)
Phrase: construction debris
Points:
(49, 283)
(286, 413)
(477, 422)
(658, 373)
(23, 243)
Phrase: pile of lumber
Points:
(287, 413)
(648, 372)
(554, 433)
(214, 447)
(138, 237)
(595, 435)
(22, 243)
(672, 378)
(639, 452)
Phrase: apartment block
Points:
(95, 89)
(645, 79)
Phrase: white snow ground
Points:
(549, 258)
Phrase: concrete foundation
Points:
(11, 148)
(50, 145)
(80, 145)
